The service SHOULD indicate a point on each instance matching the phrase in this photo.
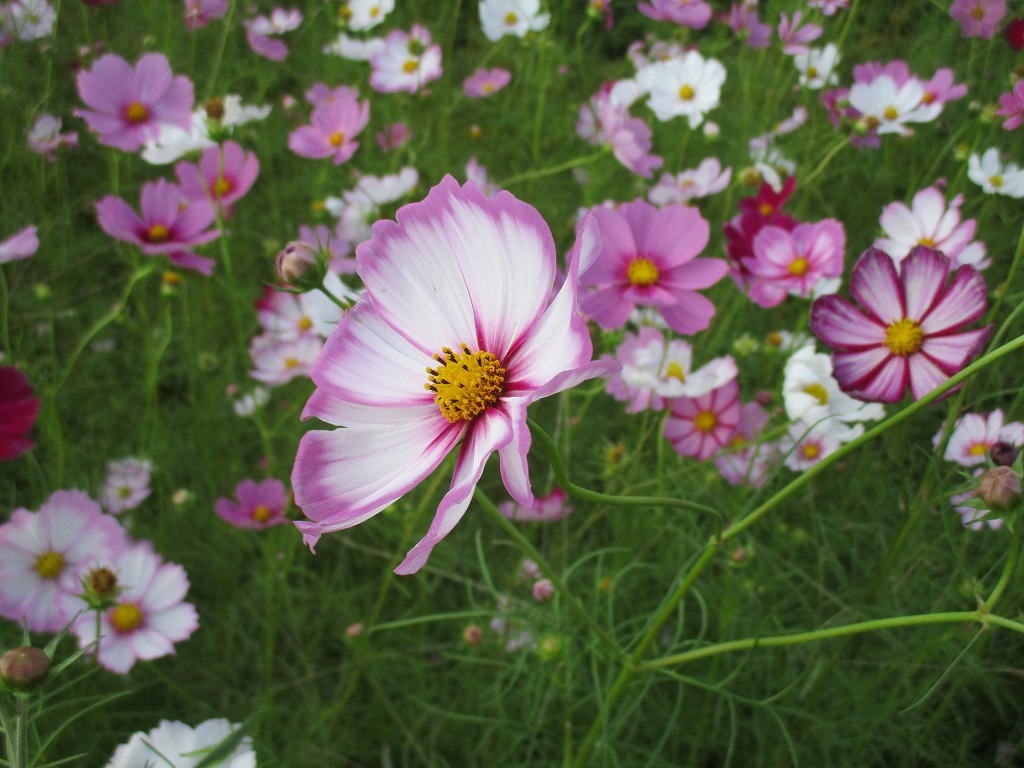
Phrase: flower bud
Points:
(1003, 454)
(551, 647)
(543, 590)
(711, 130)
(215, 109)
(999, 487)
(24, 668)
(472, 635)
(299, 265)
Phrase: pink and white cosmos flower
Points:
(794, 262)
(974, 434)
(1011, 106)
(927, 221)
(907, 333)
(335, 124)
(131, 105)
(456, 334)
(486, 82)
(408, 62)
(649, 258)
(687, 13)
(224, 174)
(700, 426)
(605, 119)
(706, 179)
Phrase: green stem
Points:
(562, 479)
(1004, 579)
(542, 172)
(836, 148)
(228, 27)
(775, 641)
(1014, 265)
(344, 306)
(534, 554)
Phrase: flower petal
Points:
(923, 273)
(875, 285)
(841, 326)
(961, 303)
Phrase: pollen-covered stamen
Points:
(818, 392)
(125, 617)
(890, 113)
(798, 267)
(336, 139)
(642, 272)
(996, 180)
(157, 233)
(810, 451)
(686, 93)
(511, 18)
(465, 383)
(136, 113)
(904, 337)
(705, 421)
(261, 513)
(978, 449)
(926, 241)
(50, 564)
(222, 186)
(305, 323)
(675, 371)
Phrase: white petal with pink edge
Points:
(876, 287)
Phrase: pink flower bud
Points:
(298, 265)
(543, 590)
(24, 667)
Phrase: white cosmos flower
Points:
(185, 747)
(817, 66)
(888, 107)
(811, 393)
(688, 87)
(511, 17)
(367, 14)
(993, 177)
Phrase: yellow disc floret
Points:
(158, 233)
(125, 617)
(904, 337)
(465, 383)
(818, 392)
(642, 272)
(686, 93)
(798, 267)
(136, 113)
(705, 421)
(675, 371)
(50, 564)
(336, 139)
(261, 513)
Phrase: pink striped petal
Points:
(951, 353)
(924, 375)
(841, 326)
(888, 384)
(876, 287)
(853, 369)
(924, 273)
(962, 303)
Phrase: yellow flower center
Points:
(928, 98)
(737, 441)
(980, 449)
(305, 324)
(488, 87)
(978, 13)
(904, 337)
(511, 18)
(50, 564)
(136, 113)
(773, 339)
(291, 362)
(996, 181)
(818, 392)
(686, 93)
(812, 72)
(798, 267)
(158, 233)
(410, 66)
(374, 12)
(926, 241)
(642, 272)
(261, 513)
(675, 371)
(465, 383)
(222, 186)
(124, 492)
(810, 450)
(890, 113)
(705, 421)
(126, 617)
(336, 139)
(767, 209)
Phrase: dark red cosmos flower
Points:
(18, 411)
(1015, 34)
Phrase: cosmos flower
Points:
(260, 505)
(545, 509)
(605, 120)
(794, 262)
(700, 426)
(511, 17)
(131, 105)
(456, 334)
(334, 126)
(361, 15)
(18, 410)
(978, 18)
(199, 13)
(909, 333)
(1011, 106)
(223, 175)
(817, 66)
(408, 61)
(20, 245)
(486, 82)
(185, 746)
(687, 13)
(794, 38)
(995, 178)
(706, 179)
(127, 484)
(690, 87)
(45, 137)
(927, 221)
(974, 434)
(811, 393)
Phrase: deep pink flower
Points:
(130, 106)
(793, 37)
(335, 124)
(20, 245)
(978, 18)
(792, 262)
(260, 505)
(224, 174)
(907, 333)
(18, 410)
(688, 13)
(199, 13)
(649, 258)
(169, 224)
(456, 334)
(1015, 34)
(486, 82)
(700, 426)
(1011, 106)
(744, 21)
(756, 213)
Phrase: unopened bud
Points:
(999, 487)
(550, 647)
(299, 265)
(543, 590)
(355, 630)
(24, 667)
(1003, 454)
(215, 109)
(711, 130)
(472, 635)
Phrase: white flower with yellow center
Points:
(511, 17)
(811, 393)
(689, 87)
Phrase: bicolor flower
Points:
(456, 334)
(260, 505)
(927, 221)
(126, 484)
(706, 179)
(974, 434)
(408, 61)
(335, 124)
(45, 137)
(700, 426)
(545, 509)
(909, 333)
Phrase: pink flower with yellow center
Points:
(224, 174)
(909, 333)
(974, 434)
(260, 505)
(457, 333)
(700, 426)
(335, 124)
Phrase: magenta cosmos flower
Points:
(224, 174)
(335, 124)
(456, 334)
(700, 426)
(260, 505)
(648, 259)
(169, 224)
(18, 410)
(978, 18)
(909, 332)
(485, 82)
(130, 106)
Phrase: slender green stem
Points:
(562, 479)
(542, 172)
(835, 150)
(1014, 265)
(344, 305)
(10, 732)
(219, 56)
(1004, 578)
(534, 554)
(775, 641)
(848, 24)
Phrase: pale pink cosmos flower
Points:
(486, 82)
(456, 334)
(706, 179)
(804, 445)
(793, 262)
(649, 258)
(31, 19)
(319, 94)
(261, 31)
(260, 505)
(687, 13)
(794, 38)
(511, 17)
(45, 137)
(604, 120)
(744, 21)
(335, 124)
(927, 221)
(127, 484)
(828, 7)
(817, 66)
(409, 61)
(747, 462)
(1011, 106)
(130, 106)
(360, 206)
(20, 245)
(700, 426)
(287, 315)
(362, 15)
(908, 334)
(978, 18)
(168, 224)
(277, 360)
(43, 555)
(225, 173)
(974, 434)
(199, 13)
(150, 613)
(393, 136)
(545, 509)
